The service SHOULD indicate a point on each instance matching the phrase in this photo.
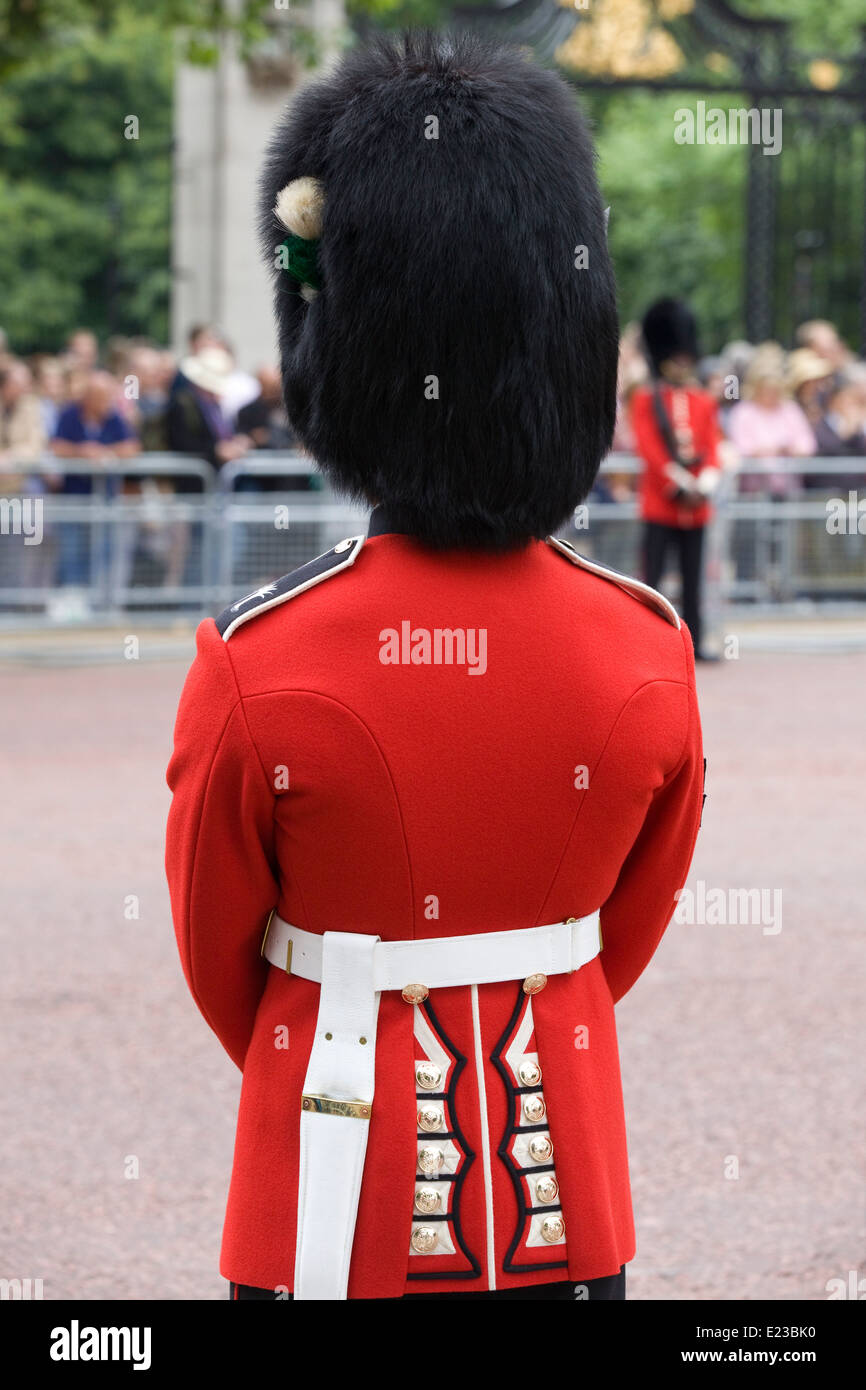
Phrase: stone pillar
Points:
(223, 118)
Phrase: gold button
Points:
(430, 1160)
(424, 1239)
(415, 994)
(534, 984)
(540, 1149)
(428, 1076)
(552, 1229)
(427, 1200)
(547, 1188)
(530, 1073)
(534, 1109)
(430, 1118)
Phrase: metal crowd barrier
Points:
(163, 534)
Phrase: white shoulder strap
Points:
(651, 597)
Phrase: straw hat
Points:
(805, 365)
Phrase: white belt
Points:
(337, 1101)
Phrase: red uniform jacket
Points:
(403, 799)
(694, 412)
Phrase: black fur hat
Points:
(669, 329)
(459, 360)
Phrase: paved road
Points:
(742, 1045)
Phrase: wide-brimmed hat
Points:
(209, 369)
(804, 365)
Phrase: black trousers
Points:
(611, 1287)
(688, 543)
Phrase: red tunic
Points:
(424, 799)
(695, 411)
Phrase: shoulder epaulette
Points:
(651, 597)
(313, 572)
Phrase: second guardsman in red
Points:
(435, 792)
(676, 434)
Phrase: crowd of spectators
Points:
(772, 404)
(90, 406)
(135, 397)
(77, 412)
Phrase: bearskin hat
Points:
(669, 330)
(447, 316)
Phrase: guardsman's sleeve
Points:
(635, 916)
(219, 847)
(707, 444)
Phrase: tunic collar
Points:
(384, 523)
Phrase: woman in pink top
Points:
(767, 424)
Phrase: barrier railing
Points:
(72, 553)
(165, 533)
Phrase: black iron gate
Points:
(804, 254)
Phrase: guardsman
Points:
(676, 435)
(435, 791)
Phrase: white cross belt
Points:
(353, 970)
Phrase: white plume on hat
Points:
(299, 207)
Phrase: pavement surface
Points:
(741, 1047)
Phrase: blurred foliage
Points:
(676, 219)
(33, 29)
(816, 25)
(87, 213)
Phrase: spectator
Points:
(50, 386)
(767, 424)
(810, 378)
(82, 349)
(93, 429)
(632, 372)
(264, 419)
(734, 362)
(240, 389)
(22, 433)
(823, 338)
(196, 423)
(144, 378)
(167, 369)
(841, 433)
(116, 355)
(163, 544)
(199, 337)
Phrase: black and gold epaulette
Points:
(313, 572)
(651, 597)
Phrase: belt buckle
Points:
(288, 966)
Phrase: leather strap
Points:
(340, 1077)
(441, 962)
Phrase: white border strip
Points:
(485, 1139)
(641, 591)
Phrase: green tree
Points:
(86, 210)
(676, 220)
